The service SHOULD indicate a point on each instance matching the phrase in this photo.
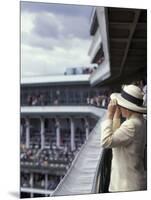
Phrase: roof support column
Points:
(42, 131)
(21, 129)
(31, 182)
(72, 130)
(57, 133)
(27, 124)
(87, 128)
(46, 183)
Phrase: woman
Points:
(127, 140)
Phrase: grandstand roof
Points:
(127, 41)
(56, 79)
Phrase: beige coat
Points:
(127, 142)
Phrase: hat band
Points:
(132, 99)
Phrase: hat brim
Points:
(127, 104)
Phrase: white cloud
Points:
(51, 43)
(27, 22)
(40, 61)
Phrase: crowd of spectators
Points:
(47, 157)
(80, 70)
(39, 181)
(55, 157)
(50, 138)
(53, 182)
(89, 70)
(52, 158)
(25, 180)
(143, 85)
(102, 100)
(34, 100)
(98, 100)
(27, 154)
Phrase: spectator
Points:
(145, 95)
(103, 101)
(34, 100)
(29, 100)
(127, 140)
(88, 100)
(56, 101)
(91, 100)
(144, 89)
(41, 100)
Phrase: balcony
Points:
(93, 22)
(103, 71)
(61, 110)
(95, 45)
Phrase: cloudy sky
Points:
(53, 37)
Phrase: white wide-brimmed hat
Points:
(131, 98)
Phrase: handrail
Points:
(72, 165)
(74, 161)
(102, 175)
(96, 182)
(95, 186)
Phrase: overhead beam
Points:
(133, 27)
(126, 78)
(116, 69)
(126, 25)
(128, 40)
(133, 51)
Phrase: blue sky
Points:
(54, 37)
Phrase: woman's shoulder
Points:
(129, 123)
(135, 121)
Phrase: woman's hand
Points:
(112, 107)
(117, 114)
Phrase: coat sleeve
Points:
(122, 136)
(116, 124)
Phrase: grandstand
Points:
(52, 133)
(61, 115)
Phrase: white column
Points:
(27, 133)
(72, 130)
(57, 133)
(46, 181)
(31, 183)
(42, 131)
(21, 130)
(87, 128)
